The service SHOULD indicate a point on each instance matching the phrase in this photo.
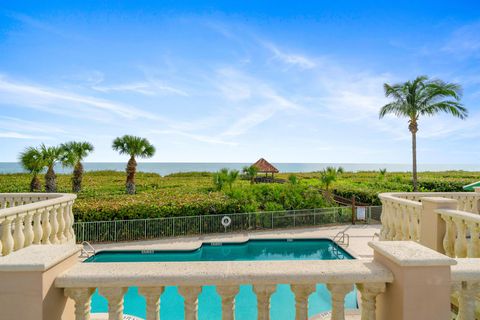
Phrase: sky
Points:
(225, 81)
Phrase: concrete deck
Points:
(360, 235)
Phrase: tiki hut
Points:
(263, 166)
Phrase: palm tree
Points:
(422, 97)
(32, 161)
(134, 147)
(50, 156)
(231, 178)
(328, 176)
(250, 172)
(73, 154)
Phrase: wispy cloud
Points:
(55, 100)
(298, 60)
(150, 88)
(18, 135)
(197, 137)
(464, 41)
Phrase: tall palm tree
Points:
(422, 97)
(50, 156)
(134, 147)
(73, 154)
(32, 161)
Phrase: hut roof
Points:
(264, 166)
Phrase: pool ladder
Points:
(342, 239)
(87, 250)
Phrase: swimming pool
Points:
(282, 301)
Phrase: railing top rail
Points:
(429, 194)
(147, 274)
(459, 214)
(394, 197)
(466, 269)
(55, 198)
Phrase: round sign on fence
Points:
(226, 221)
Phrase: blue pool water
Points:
(282, 301)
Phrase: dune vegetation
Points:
(103, 194)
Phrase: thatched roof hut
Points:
(263, 166)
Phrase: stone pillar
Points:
(422, 285)
(302, 292)
(190, 304)
(227, 294)
(27, 289)
(152, 295)
(432, 226)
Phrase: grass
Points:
(104, 198)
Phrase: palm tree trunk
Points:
(35, 185)
(131, 169)
(77, 177)
(413, 129)
(50, 180)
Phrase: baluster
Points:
(37, 227)
(66, 217)
(18, 235)
(1, 245)
(338, 292)
(114, 297)
(72, 220)
(264, 292)
(449, 238)
(398, 222)
(190, 305)
(82, 298)
(461, 241)
(384, 220)
(61, 224)
(302, 292)
(417, 223)
(152, 295)
(473, 247)
(54, 225)
(227, 294)
(467, 298)
(7, 238)
(406, 211)
(28, 230)
(391, 221)
(46, 227)
(369, 292)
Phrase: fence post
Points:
(173, 219)
(83, 232)
(272, 219)
(294, 218)
(201, 224)
(115, 239)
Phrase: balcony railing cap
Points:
(410, 254)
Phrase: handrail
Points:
(148, 274)
(35, 218)
(56, 199)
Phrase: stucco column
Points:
(432, 226)
(422, 284)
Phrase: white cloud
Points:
(145, 88)
(55, 101)
(197, 137)
(18, 135)
(465, 41)
(298, 60)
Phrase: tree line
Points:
(71, 155)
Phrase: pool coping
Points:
(218, 243)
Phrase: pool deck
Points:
(360, 235)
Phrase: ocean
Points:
(165, 168)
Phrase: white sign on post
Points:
(361, 213)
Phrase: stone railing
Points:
(462, 233)
(466, 201)
(434, 220)
(400, 218)
(113, 279)
(466, 288)
(35, 218)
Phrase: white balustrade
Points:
(31, 218)
(400, 218)
(303, 276)
(466, 287)
(462, 234)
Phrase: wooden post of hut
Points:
(263, 166)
